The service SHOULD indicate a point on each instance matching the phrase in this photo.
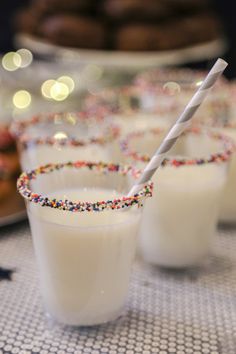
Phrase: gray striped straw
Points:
(181, 124)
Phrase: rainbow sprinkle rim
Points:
(26, 142)
(231, 124)
(229, 147)
(184, 76)
(124, 100)
(23, 186)
(155, 82)
(18, 129)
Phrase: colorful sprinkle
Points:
(19, 129)
(228, 143)
(23, 186)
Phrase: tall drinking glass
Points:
(84, 231)
(179, 222)
(61, 137)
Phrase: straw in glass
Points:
(181, 124)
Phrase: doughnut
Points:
(6, 187)
(74, 31)
(178, 34)
(187, 6)
(149, 37)
(26, 20)
(123, 10)
(56, 6)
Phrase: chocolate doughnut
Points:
(187, 6)
(58, 6)
(176, 34)
(9, 163)
(122, 10)
(74, 31)
(26, 20)
(145, 37)
(201, 28)
(7, 187)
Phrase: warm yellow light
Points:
(21, 99)
(60, 135)
(59, 91)
(11, 61)
(199, 83)
(71, 118)
(46, 88)
(68, 81)
(26, 57)
(172, 88)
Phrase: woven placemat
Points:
(180, 312)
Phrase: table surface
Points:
(167, 311)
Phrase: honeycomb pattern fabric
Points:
(192, 311)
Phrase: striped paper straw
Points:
(181, 124)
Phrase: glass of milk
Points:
(84, 232)
(179, 85)
(228, 205)
(64, 136)
(129, 108)
(179, 222)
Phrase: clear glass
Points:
(228, 206)
(129, 106)
(84, 258)
(34, 154)
(180, 220)
(97, 137)
(177, 86)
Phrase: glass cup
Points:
(179, 222)
(61, 137)
(126, 107)
(179, 85)
(84, 232)
(228, 205)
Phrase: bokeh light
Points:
(22, 99)
(71, 118)
(46, 88)
(11, 61)
(172, 88)
(199, 83)
(59, 91)
(68, 81)
(26, 57)
(60, 135)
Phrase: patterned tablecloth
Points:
(178, 312)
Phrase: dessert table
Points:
(192, 311)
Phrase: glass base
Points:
(52, 322)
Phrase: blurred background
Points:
(80, 46)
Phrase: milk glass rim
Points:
(18, 129)
(222, 156)
(104, 101)
(23, 186)
(153, 78)
(230, 124)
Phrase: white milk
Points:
(179, 220)
(84, 258)
(140, 121)
(37, 155)
(147, 144)
(134, 122)
(228, 207)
